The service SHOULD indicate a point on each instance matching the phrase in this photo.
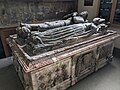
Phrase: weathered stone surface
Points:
(16, 11)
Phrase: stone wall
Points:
(28, 11)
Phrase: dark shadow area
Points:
(116, 52)
(9, 79)
(2, 53)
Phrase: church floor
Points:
(107, 78)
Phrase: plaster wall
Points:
(91, 9)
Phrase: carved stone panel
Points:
(51, 77)
(104, 54)
(84, 61)
(105, 51)
(24, 77)
(83, 64)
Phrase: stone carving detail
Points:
(64, 72)
(52, 78)
(105, 51)
(85, 61)
(58, 76)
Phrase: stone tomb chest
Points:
(57, 58)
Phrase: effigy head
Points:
(84, 14)
(23, 32)
(78, 19)
(98, 21)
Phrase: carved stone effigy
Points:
(57, 58)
